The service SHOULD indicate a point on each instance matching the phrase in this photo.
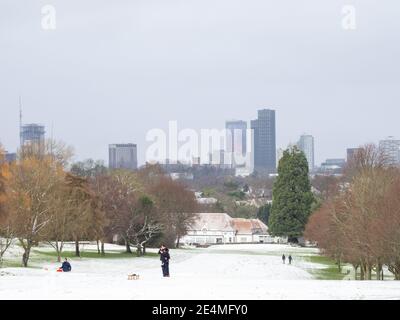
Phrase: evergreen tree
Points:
(292, 196)
(264, 212)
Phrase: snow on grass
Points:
(219, 272)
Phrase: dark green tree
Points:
(264, 212)
(292, 196)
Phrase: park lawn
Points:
(94, 254)
(329, 271)
(44, 254)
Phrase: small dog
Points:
(133, 276)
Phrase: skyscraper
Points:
(306, 144)
(122, 156)
(236, 135)
(264, 141)
(391, 148)
(32, 134)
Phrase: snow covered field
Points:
(219, 272)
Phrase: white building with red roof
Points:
(251, 230)
(218, 228)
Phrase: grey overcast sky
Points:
(112, 70)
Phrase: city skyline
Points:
(228, 125)
(160, 67)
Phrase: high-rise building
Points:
(351, 152)
(264, 141)
(236, 139)
(306, 144)
(391, 148)
(122, 156)
(32, 134)
(236, 136)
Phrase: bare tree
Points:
(361, 222)
(176, 204)
(6, 232)
(30, 186)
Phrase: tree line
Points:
(44, 199)
(359, 220)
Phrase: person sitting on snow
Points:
(66, 266)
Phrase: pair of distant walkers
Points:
(164, 257)
(289, 258)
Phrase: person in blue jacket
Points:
(66, 266)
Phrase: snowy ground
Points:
(219, 272)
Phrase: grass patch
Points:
(330, 271)
(94, 254)
(10, 264)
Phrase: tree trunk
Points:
(378, 271)
(144, 249)
(128, 247)
(395, 269)
(77, 251)
(355, 271)
(368, 273)
(98, 246)
(361, 271)
(58, 249)
(177, 241)
(139, 250)
(25, 256)
(103, 253)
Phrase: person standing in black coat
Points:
(164, 257)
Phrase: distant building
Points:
(10, 157)
(236, 139)
(264, 141)
(243, 171)
(122, 156)
(391, 148)
(251, 230)
(332, 166)
(351, 152)
(181, 176)
(32, 134)
(220, 228)
(306, 144)
(220, 159)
